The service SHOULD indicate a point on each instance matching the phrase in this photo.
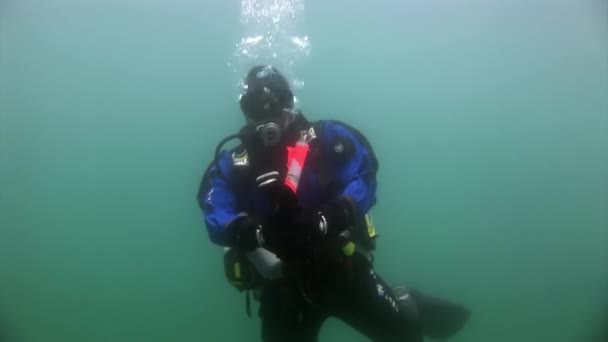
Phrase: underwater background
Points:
(489, 118)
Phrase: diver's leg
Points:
(286, 316)
(368, 305)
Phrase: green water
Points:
(490, 120)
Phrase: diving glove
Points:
(245, 233)
(330, 220)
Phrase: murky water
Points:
(490, 120)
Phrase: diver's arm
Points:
(354, 167)
(219, 204)
(357, 174)
(226, 223)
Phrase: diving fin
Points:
(440, 318)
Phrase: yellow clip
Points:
(371, 230)
(349, 249)
(237, 270)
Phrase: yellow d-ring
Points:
(349, 249)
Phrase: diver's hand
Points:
(289, 240)
(331, 220)
(245, 233)
(248, 233)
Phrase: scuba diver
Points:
(290, 204)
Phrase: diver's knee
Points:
(406, 303)
(438, 318)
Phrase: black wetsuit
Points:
(361, 299)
